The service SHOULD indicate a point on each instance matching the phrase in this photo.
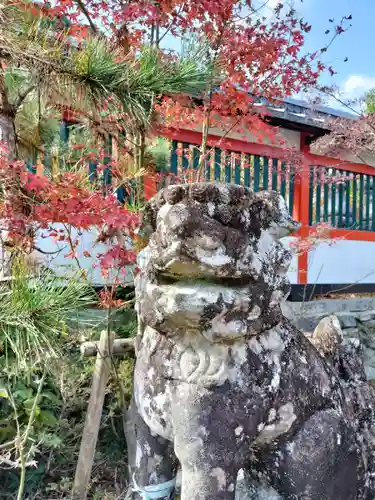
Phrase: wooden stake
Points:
(93, 417)
(120, 346)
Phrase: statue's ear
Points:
(262, 208)
(149, 215)
(273, 209)
(268, 199)
(148, 223)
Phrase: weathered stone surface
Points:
(347, 320)
(346, 359)
(351, 333)
(325, 307)
(222, 380)
(365, 316)
(327, 336)
(371, 324)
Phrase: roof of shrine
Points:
(302, 113)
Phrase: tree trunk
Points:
(7, 135)
(7, 139)
(7, 127)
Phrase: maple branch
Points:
(337, 33)
(324, 90)
(44, 252)
(169, 27)
(224, 135)
(206, 123)
(85, 12)
(10, 244)
(347, 287)
(73, 251)
(333, 38)
(343, 103)
(254, 11)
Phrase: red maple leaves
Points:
(33, 203)
(253, 58)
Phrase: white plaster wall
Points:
(342, 261)
(67, 267)
(290, 138)
(293, 270)
(334, 261)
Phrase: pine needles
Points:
(33, 313)
(96, 71)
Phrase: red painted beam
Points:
(338, 234)
(327, 161)
(194, 137)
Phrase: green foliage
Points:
(33, 313)
(51, 431)
(32, 327)
(160, 151)
(370, 101)
(51, 72)
(16, 80)
(23, 394)
(58, 427)
(95, 65)
(35, 326)
(125, 375)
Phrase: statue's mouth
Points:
(166, 279)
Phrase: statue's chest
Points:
(166, 370)
(251, 376)
(245, 366)
(191, 359)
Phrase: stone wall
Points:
(356, 316)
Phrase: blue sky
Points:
(358, 44)
(357, 75)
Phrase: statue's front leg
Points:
(152, 462)
(213, 480)
(206, 445)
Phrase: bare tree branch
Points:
(85, 12)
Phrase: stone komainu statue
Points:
(223, 382)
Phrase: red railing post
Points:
(302, 209)
(149, 185)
